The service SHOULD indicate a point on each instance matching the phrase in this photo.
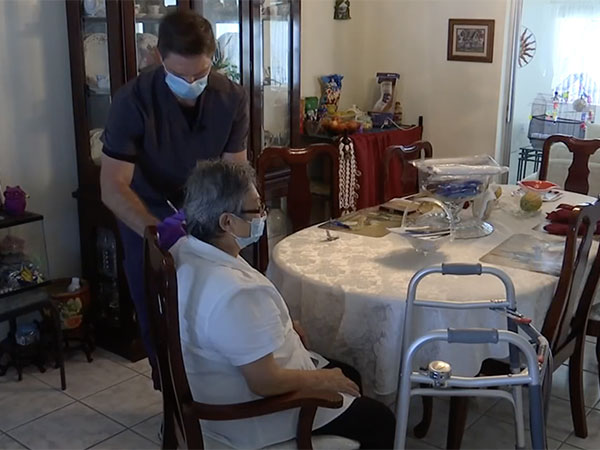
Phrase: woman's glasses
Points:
(262, 210)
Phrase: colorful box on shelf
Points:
(23, 257)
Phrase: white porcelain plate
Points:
(95, 50)
(96, 145)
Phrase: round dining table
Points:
(349, 293)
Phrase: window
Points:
(576, 60)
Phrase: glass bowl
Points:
(430, 228)
(454, 181)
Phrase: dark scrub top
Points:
(147, 126)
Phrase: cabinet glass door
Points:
(97, 74)
(276, 77)
(224, 15)
(148, 14)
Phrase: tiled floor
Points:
(110, 404)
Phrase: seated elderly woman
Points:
(238, 340)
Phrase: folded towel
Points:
(559, 221)
(560, 215)
(562, 229)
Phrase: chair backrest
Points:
(299, 197)
(566, 318)
(161, 297)
(409, 174)
(578, 173)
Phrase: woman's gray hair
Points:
(213, 188)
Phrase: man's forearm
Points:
(128, 208)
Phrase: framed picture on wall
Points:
(471, 40)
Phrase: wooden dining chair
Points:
(564, 325)
(298, 192)
(578, 173)
(593, 329)
(409, 174)
(182, 415)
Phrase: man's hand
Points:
(171, 229)
(303, 336)
(335, 380)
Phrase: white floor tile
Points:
(489, 433)
(74, 427)
(590, 363)
(591, 387)
(7, 443)
(592, 442)
(559, 425)
(129, 402)
(142, 366)
(438, 430)
(150, 428)
(417, 444)
(84, 379)
(566, 446)
(23, 401)
(127, 440)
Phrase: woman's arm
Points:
(266, 378)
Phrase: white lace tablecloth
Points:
(349, 294)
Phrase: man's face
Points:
(189, 68)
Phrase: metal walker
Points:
(439, 376)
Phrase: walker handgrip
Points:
(473, 335)
(461, 269)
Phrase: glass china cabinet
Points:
(110, 42)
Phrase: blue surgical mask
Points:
(257, 228)
(183, 89)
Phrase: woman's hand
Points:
(335, 380)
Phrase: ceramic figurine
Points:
(14, 200)
(342, 10)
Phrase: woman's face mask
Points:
(257, 228)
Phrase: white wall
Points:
(37, 148)
(460, 101)
(337, 46)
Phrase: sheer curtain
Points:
(280, 50)
(576, 60)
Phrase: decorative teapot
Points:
(14, 200)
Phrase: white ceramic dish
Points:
(95, 51)
(96, 145)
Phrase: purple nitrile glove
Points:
(171, 229)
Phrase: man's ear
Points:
(225, 221)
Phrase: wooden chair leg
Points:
(421, 429)
(576, 390)
(598, 356)
(459, 408)
(169, 438)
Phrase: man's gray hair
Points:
(213, 188)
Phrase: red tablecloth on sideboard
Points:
(369, 149)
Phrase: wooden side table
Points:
(37, 299)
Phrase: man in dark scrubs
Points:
(160, 124)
